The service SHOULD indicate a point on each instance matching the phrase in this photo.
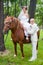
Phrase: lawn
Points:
(11, 60)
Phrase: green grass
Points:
(11, 60)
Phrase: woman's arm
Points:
(20, 15)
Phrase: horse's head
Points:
(9, 23)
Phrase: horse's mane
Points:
(11, 18)
(19, 24)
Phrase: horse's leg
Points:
(15, 48)
(21, 47)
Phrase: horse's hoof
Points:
(22, 57)
(14, 55)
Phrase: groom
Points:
(34, 38)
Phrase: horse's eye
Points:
(9, 22)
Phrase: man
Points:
(34, 38)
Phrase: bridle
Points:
(6, 34)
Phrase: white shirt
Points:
(33, 32)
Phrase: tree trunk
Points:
(2, 46)
(32, 8)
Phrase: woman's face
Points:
(24, 9)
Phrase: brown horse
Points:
(17, 32)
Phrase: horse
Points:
(17, 33)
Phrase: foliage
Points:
(15, 7)
(39, 12)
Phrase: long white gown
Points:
(24, 21)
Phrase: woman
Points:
(24, 18)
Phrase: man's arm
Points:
(32, 31)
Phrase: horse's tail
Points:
(38, 33)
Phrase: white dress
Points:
(24, 21)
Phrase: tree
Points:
(2, 46)
(32, 8)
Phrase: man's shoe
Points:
(32, 59)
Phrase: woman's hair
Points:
(24, 7)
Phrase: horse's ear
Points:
(13, 18)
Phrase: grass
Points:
(11, 60)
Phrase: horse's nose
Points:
(5, 32)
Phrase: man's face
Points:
(32, 21)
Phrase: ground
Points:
(11, 60)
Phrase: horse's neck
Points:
(18, 27)
(18, 24)
(13, 30)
